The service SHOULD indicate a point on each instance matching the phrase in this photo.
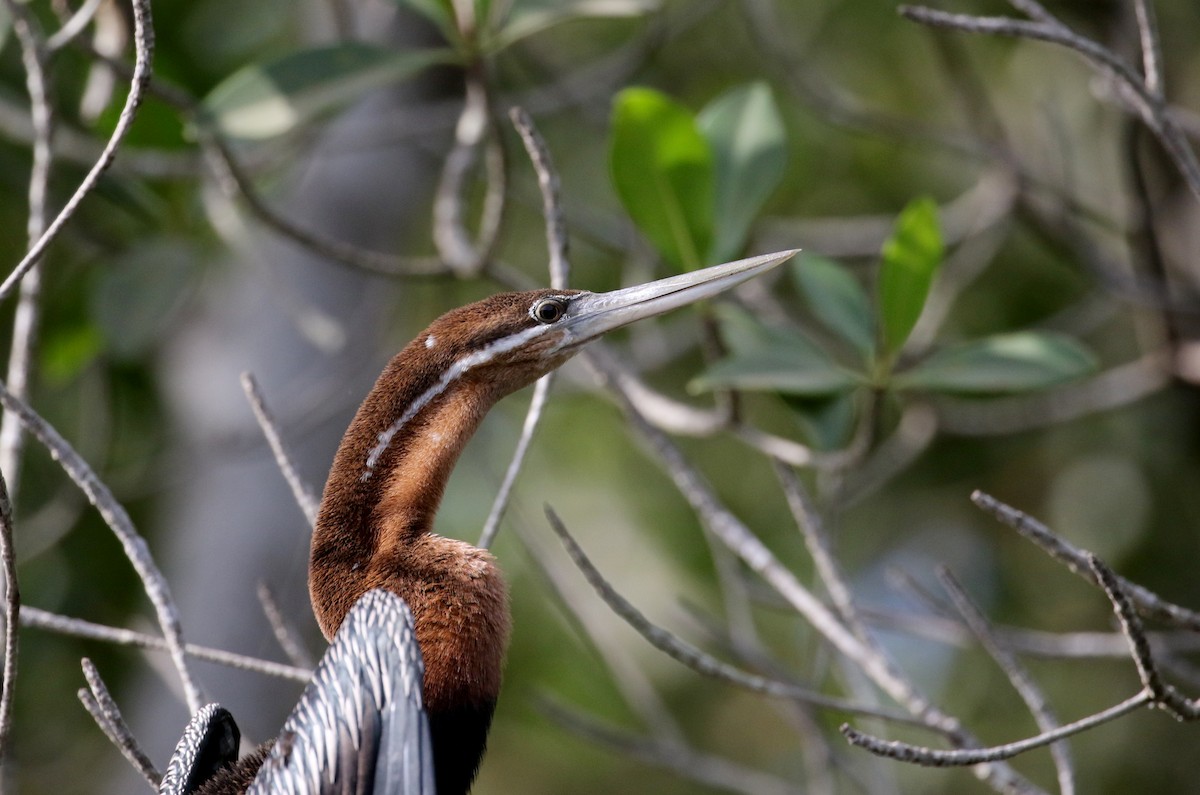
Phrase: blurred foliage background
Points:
(1059, 217)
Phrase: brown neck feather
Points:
(373, 529)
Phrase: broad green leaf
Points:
(1019, 362)
(528, 17)
(663, 171)
(771, 359)
(269, 99)
(911, 256)
(749, 147)
(837, 299)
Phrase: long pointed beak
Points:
(593, 314)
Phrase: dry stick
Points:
(762, 561)
(77, 24)
(77, 627)
(549, 184)
(1149, 105)
(285, 633)
(143, 38)
(108, 716)
(1077, 560)
(1161, 694)
(236, 184)
(12, 617)
(1021, 681)
(629, 677)
(812, 529)
(929, 757)
(698, 660)
(301, 491)
(560, 269)
(537, 404)
(1152, 71)
(122, 526)
(464, 257)
(711, 771)
(25, 321)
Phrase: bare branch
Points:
(537, 404)
(75, 25)
(301, 491)
(1149, 105)
(1078, 561)
(25, 321)
(108, 717)
(550, 186)
(929, 757)
(697, 659)
(1151, 52)
(285, 634)
(461, 255)
(12, 617)
(705, 769)
(77, 627)
(143, 37)
(122, 526)
(1022, 682)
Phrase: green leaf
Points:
(771, 359)
(1020, 362)
(911, 256)
(529, 17)
(67, 351)
(663, 172)
(749, 146)
(826, 421)
(837, 299)
(268, 99)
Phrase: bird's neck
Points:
(377, 512)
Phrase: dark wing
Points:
(360, 726)
(209, 743)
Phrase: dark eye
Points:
(548, 310)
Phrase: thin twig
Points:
(550, 185)
(122, 526)
(236, 184)
(930, 757)
(537, 404)
(25, 321)
(710, 771)
(1077, 561)
(301, 491)
(460, 254)
(12, 618)
(77, 627)
(762, 561)
(1149, 105)
(698, 660)
(285, 634)
(108, 716)
(1021, 681)
(629, 677)
(143, 37)
(77, 24)
(1151, 52)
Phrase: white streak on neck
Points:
(452, 374)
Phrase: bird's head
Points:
(511, 339)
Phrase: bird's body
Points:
(374, 528)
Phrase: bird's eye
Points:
(548, 310)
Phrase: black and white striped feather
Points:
(209, 742)
(360, 726)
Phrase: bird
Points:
(374, 536)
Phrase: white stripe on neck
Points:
(452, 374)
